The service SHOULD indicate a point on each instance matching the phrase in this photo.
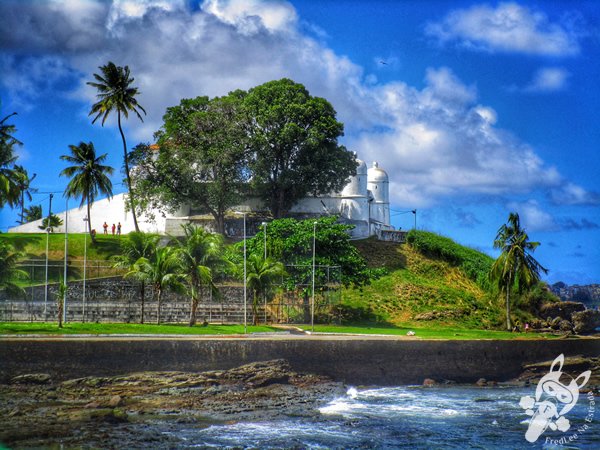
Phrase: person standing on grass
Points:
(105, 226)
(113, 228)
(119, 229)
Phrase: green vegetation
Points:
(126, 328)
(515, 269)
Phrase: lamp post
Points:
(264, 225)
(47, 237)
(85, 221)
(414, 211)
(66, 257)
(245, 281)
(312, 309)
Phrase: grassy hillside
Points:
(431, 278)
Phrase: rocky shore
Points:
(118, 412)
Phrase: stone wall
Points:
(353, 360)
(117, 300)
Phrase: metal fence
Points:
(103, 296)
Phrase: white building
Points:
(363, 202)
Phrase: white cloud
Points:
(436, 142)
(548, 79)
(571, 194)
(508, 27)
(533, 217)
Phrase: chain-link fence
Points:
(100, 294)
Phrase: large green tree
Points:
(294, 144)
(89, 176)
(201, 256)
(515, 268)
(134, 246)
(200, 158)
(291, 242)
(116, 94)
(34, 212)
(9, 188)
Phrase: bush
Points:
(473, 264)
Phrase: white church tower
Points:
(378, 183)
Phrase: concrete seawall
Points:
(353, 360)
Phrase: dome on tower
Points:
(376, 174)
(361, 169)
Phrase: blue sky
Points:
(475, 109)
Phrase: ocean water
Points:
(452, 417)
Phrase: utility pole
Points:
(47, 236)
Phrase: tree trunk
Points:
(126, 161)
(508, 322)
(254, 308)
(306, 306)
(159, 298)
(193, 311)
(89, 221)
(142, 294)
(220, 223)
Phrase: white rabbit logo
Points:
(553, 400)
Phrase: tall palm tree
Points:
(115, 93)
(9, 271)
(136, 245)
(9, 192)
(515, 267)
(162, 272)
(23, 182)
(201, 255)
(261, 275)
(89, 176)
(32, 213)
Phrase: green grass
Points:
(428, 333)
(125, 328)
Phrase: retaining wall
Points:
(373, 361)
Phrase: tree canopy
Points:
(275, 142)
(200, 159)
(9, 187)
(294, 145)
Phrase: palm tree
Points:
(9, 192)
(201, 254)
(50, 222)
(137, 245)
(9, 271)
(515, 267)
(32, 213)
(89, 176)
(115, 93)
(23, 182)
(162, 272)
(261, 275)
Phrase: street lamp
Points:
(414, 211)
(85, 221)
(66, 256)
(47, 237)
(245, 281)
(312, 309)
(264, 225)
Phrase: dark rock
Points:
(115, 401)
(586, 322)
(565, 325)
(32, 378)
(429, 382)
(564, 310)
(481, 382)
(555, 323)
